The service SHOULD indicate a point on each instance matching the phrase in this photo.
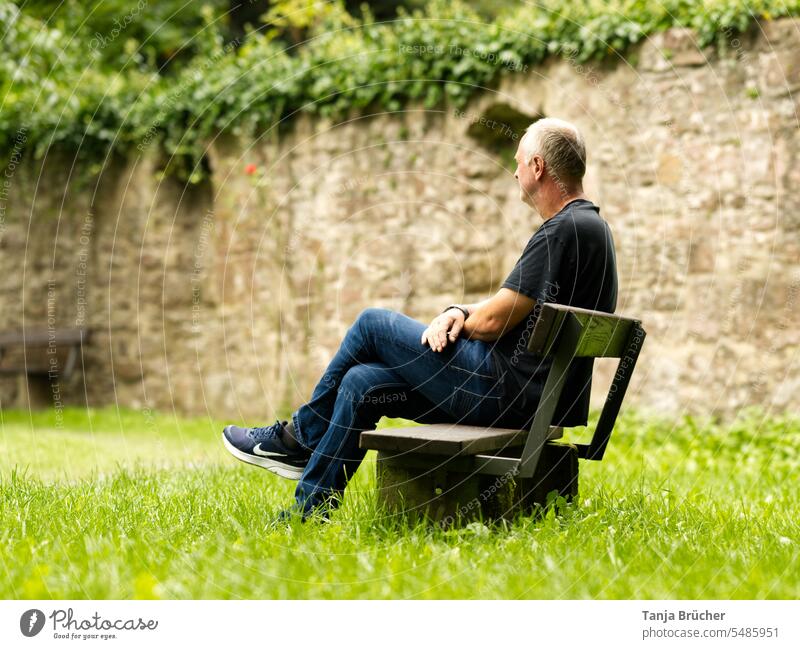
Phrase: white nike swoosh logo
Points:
(257, 451)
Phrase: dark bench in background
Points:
(41, 356)
(450, 472)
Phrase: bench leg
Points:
(422, 487)
(33, 392)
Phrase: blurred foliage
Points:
(296, 17)
(125, 33)
(94, 77)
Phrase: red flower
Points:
(250, 169)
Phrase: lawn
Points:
(109, 504)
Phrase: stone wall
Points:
(230, 297)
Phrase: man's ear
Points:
(537, 166)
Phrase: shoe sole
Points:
(278, 468)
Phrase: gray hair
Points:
(561, 146)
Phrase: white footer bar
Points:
(401, 624)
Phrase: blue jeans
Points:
(382, 369)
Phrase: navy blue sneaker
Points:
(263, 447)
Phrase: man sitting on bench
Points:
(471, 364)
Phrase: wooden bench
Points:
(42, 352)
(41, 358)
(451, 473)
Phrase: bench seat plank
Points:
(443, 439)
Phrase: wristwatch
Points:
(460, 308)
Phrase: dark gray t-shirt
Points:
(569, 260)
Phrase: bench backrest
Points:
(602, 335)
(43, 337)
(565, 333)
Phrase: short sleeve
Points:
(536, 273)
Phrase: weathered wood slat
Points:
(38, 369)
(442, 439)
(603, 335)
(446, 439)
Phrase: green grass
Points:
(102, 504)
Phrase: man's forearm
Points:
(490, 319)
(481, 325)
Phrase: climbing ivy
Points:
(438, 56)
